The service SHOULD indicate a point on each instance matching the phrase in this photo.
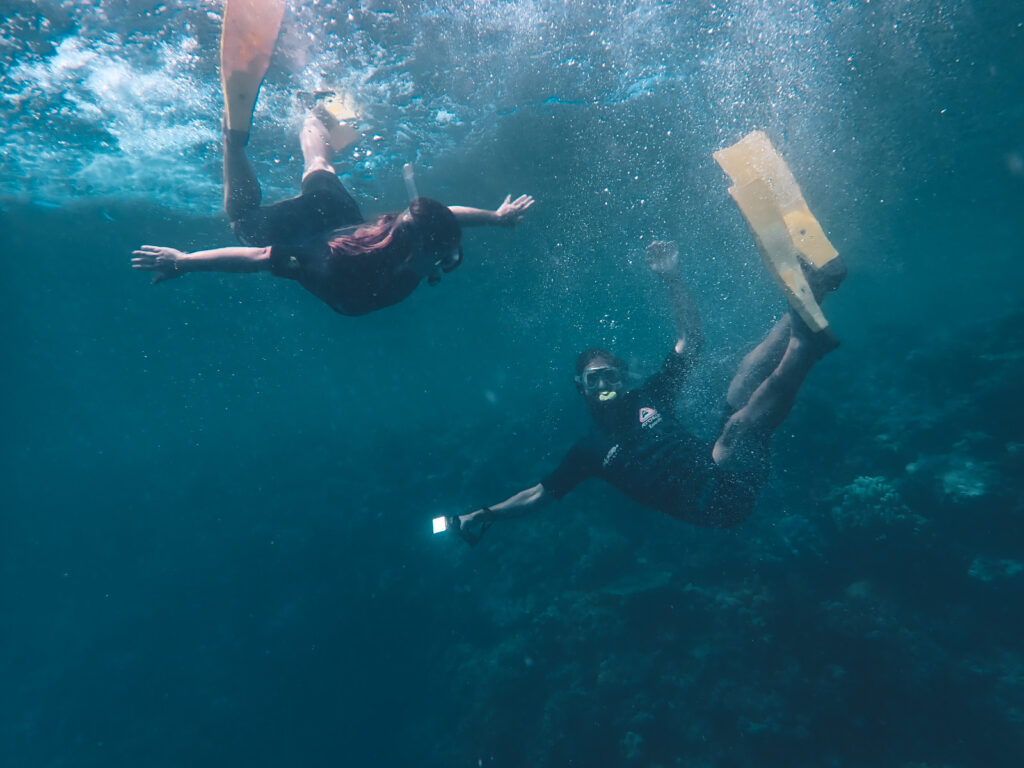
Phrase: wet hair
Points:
(439, 231)
(436, 223)
(597, 354)
(372, 236)
(432, 221)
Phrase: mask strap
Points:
(410, 181)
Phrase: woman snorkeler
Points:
(321, 239)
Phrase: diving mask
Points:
(605, 380)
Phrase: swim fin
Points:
(785, 230)
(246, 45)
(337, 113)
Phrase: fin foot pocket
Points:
(826, 279)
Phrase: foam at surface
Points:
(124, 107)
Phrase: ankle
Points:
(825, 279)
(816, 343)
(233, 139)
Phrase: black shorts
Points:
(729, 498)
(726, 498)
(323, 206)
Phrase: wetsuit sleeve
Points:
(576, 467)
(663, 387)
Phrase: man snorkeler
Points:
(638, 444)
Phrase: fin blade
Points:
(341, 113)
(784, 228)
(780, 256)
(754, 158)
(247, 42)
(808, 237)
(800, 298)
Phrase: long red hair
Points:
(431, 222)
(373, 236)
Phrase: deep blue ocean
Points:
(216, 493)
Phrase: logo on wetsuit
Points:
(649, 417)
(610, 456)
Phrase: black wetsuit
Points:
(299, 231)
(639, 447)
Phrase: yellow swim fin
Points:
(784, 228)
(246, 44)
(338, 115)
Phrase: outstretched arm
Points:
(170, 262)
(522, 503)
(663, 259)
(506, 215)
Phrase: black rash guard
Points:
(351, 284)
(299, 231)
(640, 448)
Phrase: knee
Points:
(735, 428)
(317, 163)
(742, 443)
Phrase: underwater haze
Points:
(216, 493)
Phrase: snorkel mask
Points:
(445, 263)
(606, 381)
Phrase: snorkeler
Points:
(638, 444)
(320, 237)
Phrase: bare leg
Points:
(744, 437)
(241, 189)
(765, 357)
(315, 139)
(758, 364)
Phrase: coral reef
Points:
(840, 626)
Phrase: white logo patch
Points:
(612, 452)
(649, 417)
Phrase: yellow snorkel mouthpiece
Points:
(605, 396)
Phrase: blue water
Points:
(217, 493)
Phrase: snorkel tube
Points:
(410, 181)
(435, 219)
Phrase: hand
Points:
(511, 211)
(470, 527)
(663, 257)
(166, 262)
